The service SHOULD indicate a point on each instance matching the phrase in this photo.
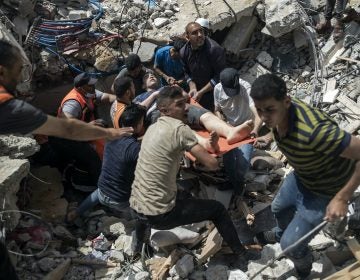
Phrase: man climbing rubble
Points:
(20, 117)
(325, 161)
(154, 191)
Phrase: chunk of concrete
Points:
(282, 16)
(300, 39)
(240, 34)
(217, 272)
(254, 72)
(160, 22)
(237, 274)
(265, 59)
(18, 146)
(183, 267)
(330, 96)
(178, 235)
(77, 14)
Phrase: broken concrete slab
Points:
(17, 146)
(178, 235)
(183, 267)
(265, 59)
(146, 51)
(12, 171)
(237, 274)
(254, 72)
(330, 96)
(282, 17)
(239, 35)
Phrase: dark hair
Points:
(132, 62)
(178, 44)
(121, 85)
(268, 86)
(8, 54)
(132, 115)
(166, 93)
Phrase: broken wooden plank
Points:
(354, 246)
(348, 59)
(170, 261)
(95, 262)
(352, 105)
(212, 246)
(245, 210)
(350, 272)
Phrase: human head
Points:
(133, 64)
(175, 50)
(133, 116)
(205, 24)
(85, 83)
(229, 79)
(271, 100)
(172, 103)
(11, 65)
(195, 34)
(150, 81)
(124, 89)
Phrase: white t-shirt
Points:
(236, 109)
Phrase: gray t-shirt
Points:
(17, 116)
(73, 108)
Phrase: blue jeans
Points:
(297, 211)
(236, 164)
(90, 202)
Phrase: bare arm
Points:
(339, 204)
(150, 100)
(204, 157)
(108, 98)
(77, 130)
(257, 122)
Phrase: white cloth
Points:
(236, 109)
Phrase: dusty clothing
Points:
(154, 188)
(236, 109)
(116, 110)
(138, 81)
(17, 116)
(203, 66)
(313, 146)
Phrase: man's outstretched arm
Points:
(77, 130)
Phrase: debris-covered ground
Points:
(62, 37)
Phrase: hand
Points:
(262, 142)
(192, 93)
(253, 134)
(98, 122)
(170, 80)
(116, 133)
(336, 209)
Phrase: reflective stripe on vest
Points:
(87, 105)
(118, 113)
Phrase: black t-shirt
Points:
(118, 168)
(17, 116)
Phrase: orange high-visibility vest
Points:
(87, 105)
(4, 95)
(120, 108)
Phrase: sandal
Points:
(323, 27)
(338, 32)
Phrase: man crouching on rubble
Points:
(18, 116)
(325, 161)
(153, 195)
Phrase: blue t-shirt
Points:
(171, 67)
(118, 168)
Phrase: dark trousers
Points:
(339, 6)
(187, 211)
(7, 271)
(82, 153)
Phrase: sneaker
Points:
(266, 237)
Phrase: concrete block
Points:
(330, 96)
(265, 59)
(282, 16)
(77, 14)
(254, 72)
(160, 22)
(240, 34)
(183, 267)
(237, 274)
(146, 51)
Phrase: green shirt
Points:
(313, 145)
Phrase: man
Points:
(198, 118)
(20, 117)
(203, 61)
(134, 70)
(124, 91)
(325, 161)
(80, 103)
(168, 64)
(233, 102)
(205, 24)
(118, 168)
(154, 190)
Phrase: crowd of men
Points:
(137, 178)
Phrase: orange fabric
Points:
(87, 106)
(99, 147)
(4, 95)
(120, 108)
(223, 144)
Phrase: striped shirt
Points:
(313, 145)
